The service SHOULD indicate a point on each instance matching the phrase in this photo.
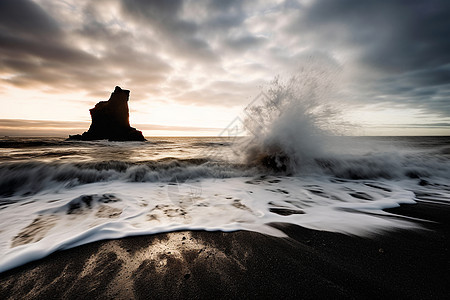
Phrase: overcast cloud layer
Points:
(221, 52)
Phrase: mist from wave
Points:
(294, 118)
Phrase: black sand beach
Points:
(198, 264)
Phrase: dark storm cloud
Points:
(244, 43)
(163, 15)
(406, 43)
(395, 36)
(165, 18)
(27, 31)
(26, 18)
(427, 89)
(223, 15)
(430, 77)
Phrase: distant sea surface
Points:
(57, 194)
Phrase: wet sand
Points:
(198, 264)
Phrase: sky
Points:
(193, 66)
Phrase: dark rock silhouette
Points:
(110, 120)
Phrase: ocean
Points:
(57, 194)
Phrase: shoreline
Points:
(201, 264)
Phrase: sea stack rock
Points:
(110, 120)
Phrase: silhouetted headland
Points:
(110, 120)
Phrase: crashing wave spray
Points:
(289, 126)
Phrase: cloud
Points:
(219, 53)
(28, 33)
(166, 22)
(400, 50)
(244, 43)
(391, 35)
(50, 56)
(27, 19)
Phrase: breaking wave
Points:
(297, 129)
(288, 127)
(26, 178)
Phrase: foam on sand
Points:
(109, 210)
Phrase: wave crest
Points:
(26, 178)
(289, 126)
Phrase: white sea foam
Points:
(34, 226)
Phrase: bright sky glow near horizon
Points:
(192, 66)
